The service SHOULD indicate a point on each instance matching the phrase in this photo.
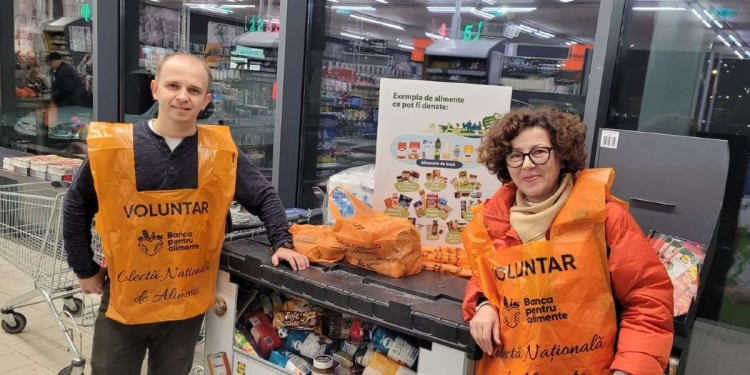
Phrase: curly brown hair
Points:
(566, 131)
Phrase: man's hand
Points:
(94, 284)
(485, 328)
(296, 260)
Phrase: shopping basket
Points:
(31, 241)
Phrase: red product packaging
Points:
(360, 330)
(267, 338)
(255, 318)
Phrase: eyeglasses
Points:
(538, 156)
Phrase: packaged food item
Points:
(297, 320)
(349, 348)
(218, 364)
(337, 327)
(404, 201)
(291, 362)
(364, 354)
(442, 203)
(296, 305)
(244, 344)
(436, 173)
(468, 153)
(405, 176)
(419, 208)
(381, 365)
(395, 346)
(414, 150)
(388, 202)
(432, 200)
(429, 176)
(267, 338)
(462, 178)
(323, 365)
(426, 149)
(343, 359)
(413, 176)
(255, 318)
(308, 344)
(401, 150)
(361, 330)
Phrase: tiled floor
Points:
(41, 348)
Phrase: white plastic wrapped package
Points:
(360, 181)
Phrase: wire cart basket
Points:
(31, 241)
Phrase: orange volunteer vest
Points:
(162, 247)
(555, 303)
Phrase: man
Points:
(67, 87)
(161, 190)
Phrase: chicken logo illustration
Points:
(511, 313)
(150, 244)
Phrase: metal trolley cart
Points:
(31, 241)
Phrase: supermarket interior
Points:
(388, 99)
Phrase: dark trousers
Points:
(119, 348)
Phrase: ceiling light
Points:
(370, 20)
(740, 55)
(544, 35)
(352, 7)
(230, 6)
(656, 9)
(566, 1)
(527, 29)
(484, 15)
(491, 2)
(352, 36)
(334, 1)
(717, 23)
(508, 9)
(724, 40)
(735, 41)
(747, 53)
(708, 14)
(209, 8)
(448, 9)
(436, 36)
(382, 1)
(406, 46)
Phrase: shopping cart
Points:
(31, 240)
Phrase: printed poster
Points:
(426, 163)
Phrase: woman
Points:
(564, 280)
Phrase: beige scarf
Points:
(532, 222)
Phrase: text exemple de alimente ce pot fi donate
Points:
(416, 101)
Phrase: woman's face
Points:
(536, 182)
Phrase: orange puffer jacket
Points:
(640, 285)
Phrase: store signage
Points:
(469, 35)
(427, 166)
(254, 53)
(259, 24)
(85, 12)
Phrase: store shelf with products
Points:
(423, 311)
(72, 38)
(540, 75)
(463, 61)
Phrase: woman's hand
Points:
(485, 328)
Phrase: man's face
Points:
(181, 89)
(54, 64)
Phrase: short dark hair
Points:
(54, 56)
(203, 62)
(566, 132)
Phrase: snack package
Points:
(336, 327)
(341, 370)
(244, 344)
(267, 338)
(297, 320)
(291, 362)
(349, 348)
(343, 359)
(381, 365)
(308, 344)
(395, 347)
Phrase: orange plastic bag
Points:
(375, 241)
(317, 243)
(445, 259)
(553, 297)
